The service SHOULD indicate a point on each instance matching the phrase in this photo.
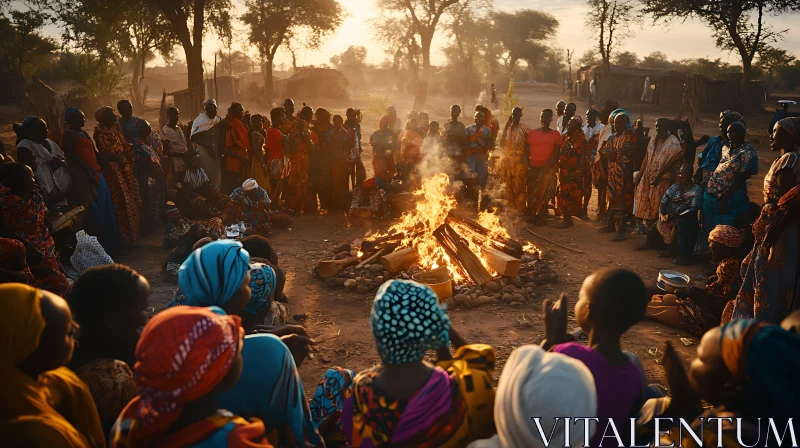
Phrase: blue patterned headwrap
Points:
(262, 287)
(407, 321)
(212, 274)
(620, 111)
(70, 112)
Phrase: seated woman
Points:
(109, 333)
(23, 214)
(89, 186)
(699, 309)
(180, 372)
(370, 199)
(13, 263)
(536, 383)
(745, 370)
(677, 216)
(251, 205)
(770, 289)
(44, 403)
(177, 226)
(50, 164)
(384, 405)
(218, 274)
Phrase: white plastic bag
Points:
(88, 253)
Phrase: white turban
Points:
(250, 184)
(536, 383)
(209, 101)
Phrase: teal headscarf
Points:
(212, 274)
(620, 111)
(764, 358)
(407, 321)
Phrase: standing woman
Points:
(50, 169)
(726, 197)
(320, 168)
(656, 173)
(620, 151)
(785, 138)
(258, 164)
(570, 163)
(205, 141)
(118, 171)
(237, 149)
(175, 149)
(149, 175)
(90, 182)
(302, 140)
(514, 164)
(341, 144)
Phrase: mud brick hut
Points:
(627, 86)
(225, 89)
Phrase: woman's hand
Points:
(299, 346)
(282, 330)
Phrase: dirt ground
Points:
(331, 311)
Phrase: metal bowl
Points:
(669, 281)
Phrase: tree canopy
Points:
(523, 34)
(23, 48)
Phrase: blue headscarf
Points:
(407, 321)
(620, 111)
(213, 273)
(70, 112)
(263, 281)
(764, 359)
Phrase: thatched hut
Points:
(316, 82)
(12, 88)
(225, 89)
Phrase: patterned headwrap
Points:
(762, 357)
(617, 112)
(578, 119)
(727, 236)
(262, 286)
(70, 112)
(212, 274)
(407, 321)
(790, 125)
(729, 116)
(101, 112)
(22, 324)
(182, 354)
(202, 242)
(209, 101)
(250, 184)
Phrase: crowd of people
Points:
(218, 367)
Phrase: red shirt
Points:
(274, 144)
(541, 146)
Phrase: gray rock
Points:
(510, 288)
(379, 280)
(340, 281)
(530, 285)
(363, 289)
(492, 286)
(461, 299)
(497, 296)
(507, 298)
(350, 284)
(451, 303)
(518, 297)
(351, 275)
(481, 300)
(516, 281)
(473, 296)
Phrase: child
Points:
(194, 177)
(610, 302)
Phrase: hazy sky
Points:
(680, 41)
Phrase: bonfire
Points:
(436, 240)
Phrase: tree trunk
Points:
(194, 64)
(137, 106)
(421, 90)
(268, 86)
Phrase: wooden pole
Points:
(400, 260)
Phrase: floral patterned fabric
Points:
(570, 177)
(112, 386)
(733, 162)
(297, 182)
(121, 181)
(700, 316)
(253, 211)
(648, 197)
(620, 152)
(26, 218)
(790, 160)
(514, 168)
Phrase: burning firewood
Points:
(400, 260)
(457, 249)
(507, 245)
(501, 262)
(329, 268)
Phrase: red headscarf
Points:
(182, 354)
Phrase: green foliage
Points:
(376, 105)
(523, 34)
(657, 60)
(355, 57)
(23, 49)
(626, 59)
(91, 76)
(589, 58)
